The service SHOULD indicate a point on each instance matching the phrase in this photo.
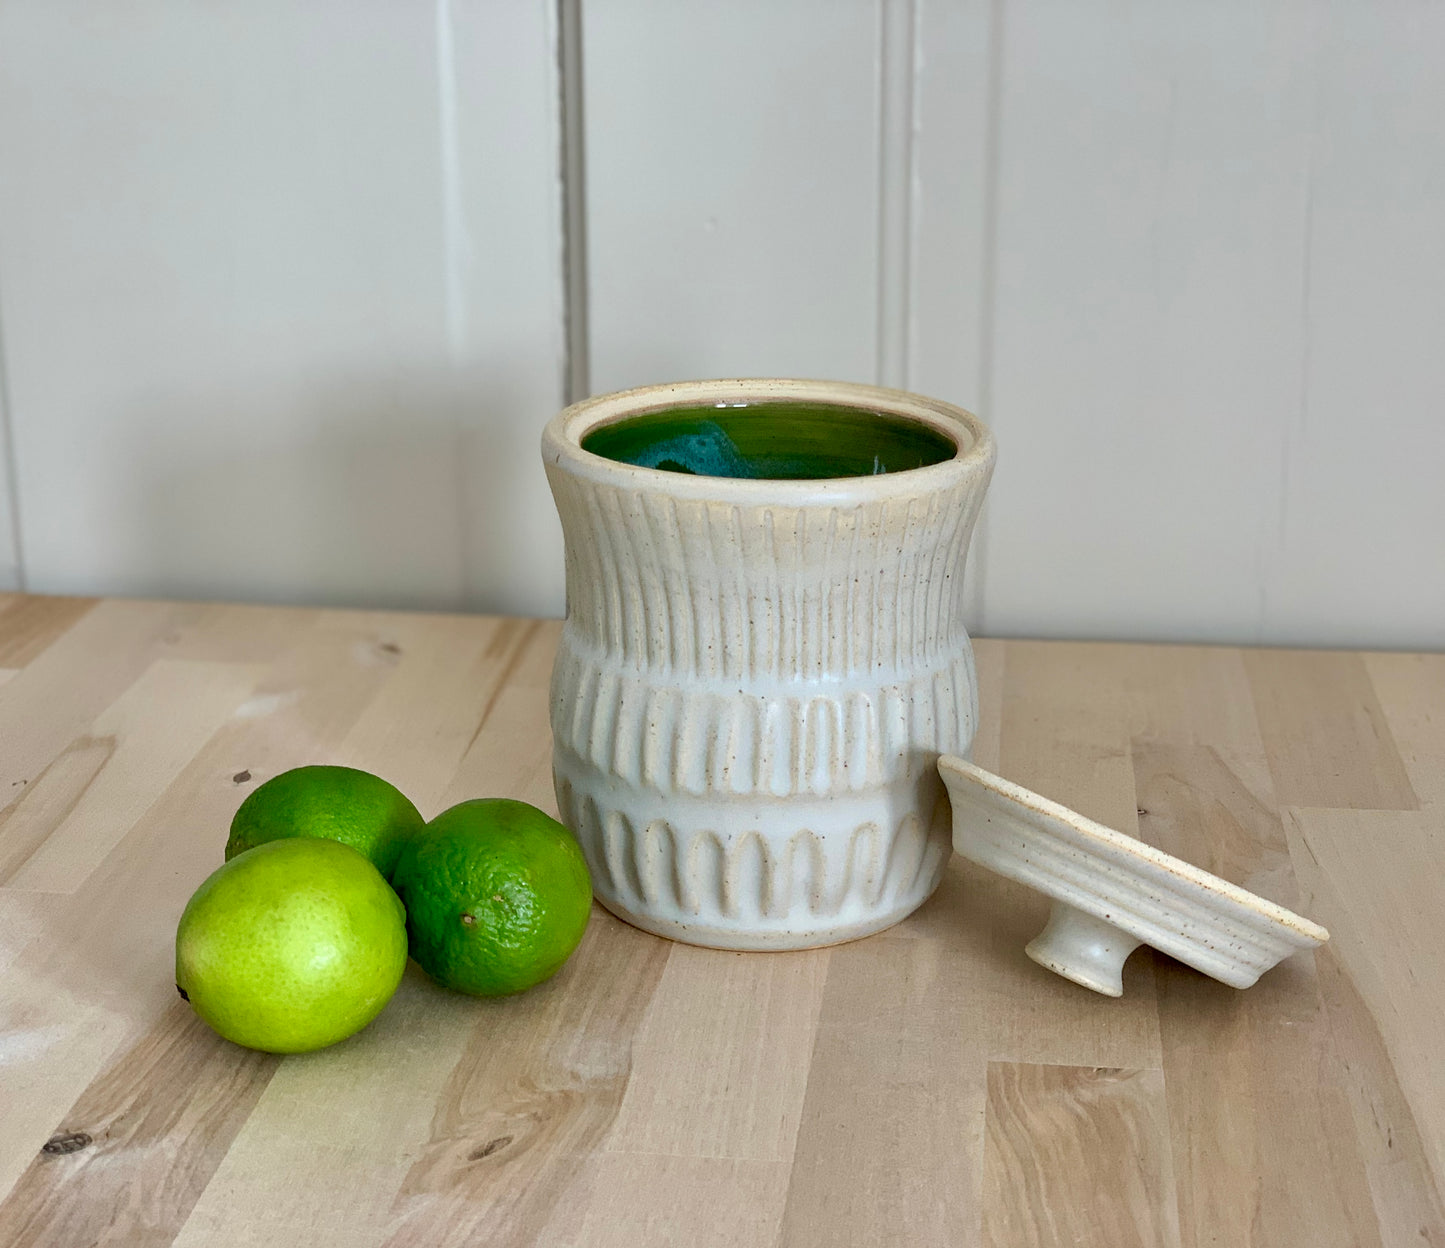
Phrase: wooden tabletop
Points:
(928, 1085)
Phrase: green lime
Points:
(291, 946)
(337, 803)
(497, 896)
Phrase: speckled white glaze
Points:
(1113, 893)
(756, 678)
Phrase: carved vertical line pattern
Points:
(659, 646)
(609, 602)
(615, 640)
(590, 816)
(737, 577)
(852, 601)
(809, 635)
(769, 564)
(895, 587)
(687, 900)
(679, 597)
(832, 586)
(951, 628)
(712, 877)
(888, 652)
(905, 563)
(969, 504)
(941, 699)
(711, 650)
(951, 609)
(585, 597)
(730, 560)
(587, 704)
(851, 587)
(919, 560)
(599, 700)
(650, 739)
(732, 557)
(698, 594)
(868, 582)
(885, 607)
(941, 570)
(939, 517)
(794, 659)
(741, 589)
(718, 591)
(621, 739)
(945, 571)
(668, 539)
(653, 570)
(766, 601)
(910, 575)
(630, 524)
(585, 594)
(636, 517)
(822, 571)
(626, 838)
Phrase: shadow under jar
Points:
(764, 653)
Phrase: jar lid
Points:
(1113, 892)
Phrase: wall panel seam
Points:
(12, 470)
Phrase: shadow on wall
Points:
(394, 493)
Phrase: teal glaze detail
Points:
(776, 441)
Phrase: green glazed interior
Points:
(771, 440)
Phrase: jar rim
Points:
(973, 441)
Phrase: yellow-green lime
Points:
(337, 803)
(291, 946)
(497, 896)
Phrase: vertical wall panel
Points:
(281, 297)
(509, 337)
(1150, 266)
(11, 573)
(732, 189)
(1358, 553)
(949, 222)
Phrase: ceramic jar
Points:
(757, 676)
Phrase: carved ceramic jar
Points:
(764, 653)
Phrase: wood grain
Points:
(537, 1088)
(1325, 734)
(142, 743)
(142, 1142)
(1254, 1072)
(1411, 691)
(30, 622)
(751, 1028)
(1077, 1156)
(929, 1085)
(892, 1103)
(1384, 950)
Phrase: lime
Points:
(291, 946)
(338, 803)
(497, 896)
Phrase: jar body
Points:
(753, 686)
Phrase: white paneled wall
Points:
(732, 154)
(284, 289)
(281, 296)
(1217, 314)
